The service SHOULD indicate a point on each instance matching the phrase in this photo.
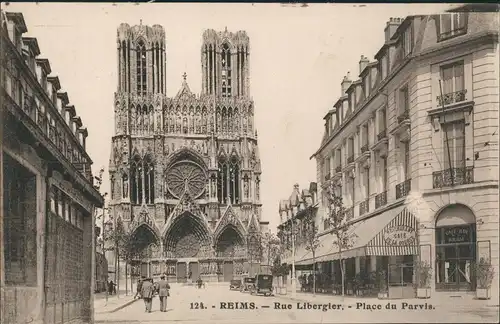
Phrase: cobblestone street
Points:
(213, 298)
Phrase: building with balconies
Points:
(48, 196)
(413, 145)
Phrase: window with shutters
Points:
(453, 84)
(454, 144)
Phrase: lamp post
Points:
(294, 284)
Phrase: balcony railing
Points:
(381, 135)
(364, 148)
(451, 97)
(338, 169)
(364, 207)
(403, 116)
(381, 199)
(403, 189)
(454, 176)
(350, 159)
(349, 213)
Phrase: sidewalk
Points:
(113, 304)
(441, 300)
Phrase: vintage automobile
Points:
(263, 285)
(235, 284)
(247, 284)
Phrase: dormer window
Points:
(407, 41)
(366, 85)
(383, 67)
(452, 25)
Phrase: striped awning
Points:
(394, 232)
(399, 237)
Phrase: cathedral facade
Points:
(185, 171)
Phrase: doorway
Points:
(455, 249)
(181, 272)
(228, 270)
(194, 270)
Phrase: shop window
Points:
(455, 249)
(19, 224)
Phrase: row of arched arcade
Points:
(188, 250)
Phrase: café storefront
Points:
(456, 247)
(385, 243)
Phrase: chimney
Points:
(363, 62)
(391, 27)
(346, 82)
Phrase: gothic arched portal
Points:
(187, 237)
(230, 243)
(144, 242)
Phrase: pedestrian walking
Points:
(163, 293)
(139, 287)
(147, 291)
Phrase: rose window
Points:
(185, 174)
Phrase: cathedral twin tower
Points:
(185, 170)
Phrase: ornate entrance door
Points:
(228, 270)
(194, 269)
(181, 272)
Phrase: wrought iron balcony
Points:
(364, 148)
(350, 159)
(349, 213)
(364, 207)
(451, 177)
(452, 97)
(403, 116)
(338, 169)
(403, 189)
(381, 199)
(381, 135)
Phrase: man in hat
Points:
(139, 287)
(163, 292)
(147, 291)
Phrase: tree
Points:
(312, 243)
(339, 227)
(99, 212)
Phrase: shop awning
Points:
(391, 233)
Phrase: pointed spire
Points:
(140, 22)
(184, 76)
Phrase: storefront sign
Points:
(457, 235)
(400, 236)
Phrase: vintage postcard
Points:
(234, 163)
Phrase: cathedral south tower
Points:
(185, 170)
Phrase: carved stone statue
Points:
(245, 187)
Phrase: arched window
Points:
(226, 70)
(228, 181)
(142, 180)
(136, 181)
(141, 68)
(149, 180)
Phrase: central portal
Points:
(187, 237)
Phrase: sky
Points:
(298, 58)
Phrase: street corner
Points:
(114, 305)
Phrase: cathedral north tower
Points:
(225, 63)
